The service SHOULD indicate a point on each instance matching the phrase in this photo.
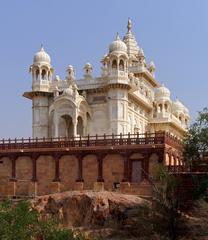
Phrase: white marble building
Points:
(125, 98)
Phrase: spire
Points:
(117, 36)
(129, 39)
(129, 25)
(41, 47)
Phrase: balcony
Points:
(85, 142)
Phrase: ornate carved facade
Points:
(125, 98)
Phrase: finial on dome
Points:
(129, 25)
(41, 47)
(117, 36)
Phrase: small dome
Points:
(87, 65)
(178, 106)
(162, 92)
(70, 67)
(118, 45)
(152, 66)
(186, 111)
(42, 57)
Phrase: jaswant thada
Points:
(98, 133)
(125, 98)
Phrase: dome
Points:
(70, 67)
(152, 66)
(178, 106)
(88, 65)
(186, 111)
(118, 45)
(42, 57)
(162, 92)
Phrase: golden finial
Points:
(129, 25)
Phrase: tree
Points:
(166, 215)
(19, 221)
(196, 140)
(162, 219)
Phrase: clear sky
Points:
(173, 33)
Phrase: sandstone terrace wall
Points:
(112, 171)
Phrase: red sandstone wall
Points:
(113, 171)
(68, 172)
(23, 174)
(90, 171)
(5, 174)
(45, 174)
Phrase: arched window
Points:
(44, 74)
(160, 107)
(37, 74)
(166, 107)
(65, 128)
(80, 127)
(114, 64)
(121, 65)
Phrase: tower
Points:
(42, 71)
(117, 83)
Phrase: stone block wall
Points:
(111, 169)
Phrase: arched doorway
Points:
(80, 127)
(136, 167)
(65, 126)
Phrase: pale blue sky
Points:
(173, 33)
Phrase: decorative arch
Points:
(114, 64)
(80, 126)
(65, 126)
(121, 65)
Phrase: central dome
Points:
(42, 57)
(117, 45)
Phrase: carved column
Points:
(174, 157)
(169, 161)
(57, 167)
(32, 188)
(80, 171)
(100, 167)
(74, 125)
(34, 158)
(11, 187)
(13, 158)
(56, 126)
(99, 185)
(125, 185)
(79, 185)
(126, 167)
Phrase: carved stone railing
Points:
(87, 141)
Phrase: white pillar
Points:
(56, 123)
